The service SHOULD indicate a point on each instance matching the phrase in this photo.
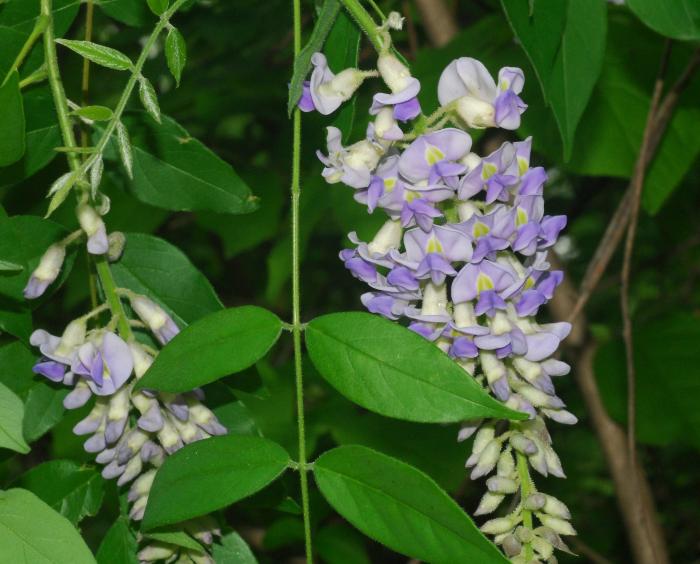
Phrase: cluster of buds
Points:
(129, 432)
(462, 258)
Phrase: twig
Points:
(439, 22)
(616, 227)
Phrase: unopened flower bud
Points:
(556, 508)
(542, 547)
(91, 222)
(506, 464)
(137, 510)
(133, 469)
(558, 525)
(155, 317)
(157, 551)
(500, 485)
(434, 299)
(535, 502)
(498, 526)
(116, 241)
(142, 360)
(489, 503)
(46, 272)
(343, 85)
(468, 429)
(524, 534)
(394, 73)
(73, 336)
(511, 546)
(522, 444)
(487, 460)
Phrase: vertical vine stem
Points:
(296, 301)
(525, 491)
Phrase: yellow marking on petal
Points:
(529, 283)
(433, 246)
(522, 165)
(521, 217)
(433, 155)
(488, 170)
(504, 85)
(483, 283)
(480, 229)
(410, 195)
(389, 185)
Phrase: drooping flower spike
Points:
(461, 260)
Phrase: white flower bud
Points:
(142, 485)
(118, 405)
(475, 113)
(556, 524)
(363, 155)
(487, 460)
(385, 124)
(464, 315)
(492, 367)
(46, 272)
(489, 503)
(556, 508)
(522, 444)
(90, 221)
(344, 84)
(483, 438)
(524, 534)
(527, 369)
(499, 324)
(470, 160)
(388, 237)
(395, 21)
(117, 240)
(465, 210)
(553, 463)
(500, 485)
(506, 464)
(149, 312)
(133, 469)
(498, 526)
(535, 502)
(468, 429)
(394, 73)
(511, 546)
(157, 551)
(542, 547)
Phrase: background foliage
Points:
(590, 70)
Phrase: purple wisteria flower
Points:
(46, 272)
(155, 317)
(105, 363)
(479, 101)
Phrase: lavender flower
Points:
(46, 272)
(91, 222)
(155, 318)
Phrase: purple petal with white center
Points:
(541, 345)
(508, 108)
(532, 182)
(407, 110)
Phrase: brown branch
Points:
(616, 227)
(438, 20)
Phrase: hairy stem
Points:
(36, 33)
(366, 22)
(66, 127)
(525, 491)
(296, 302)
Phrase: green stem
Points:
(526, 489)
(297, 326)
(366, 22)
(39, 27)
(38, 75)
(131, 83)
(66, 127)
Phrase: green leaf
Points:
(178, 538)
(16, 362)
(343, 51)
(400, 507)
(220, 344)
(158, 6)
(339, 544)
(55, 541)
(565, 41)
(6, 266)
(11, 414)
(679, 19)
(233, 550)
(95, 113)
(74, 491)
(42, 135)
(302, 64)
(15, 319)
(173, 171)
(98, 54)
(59, 191)
(23, 240)
(43, 409)
(12, 126)
(149, 98)
(154, 267)
(391, 370)
(209, 475)
(667, 380)
(119, 545)
(175, 53)
(125, 151)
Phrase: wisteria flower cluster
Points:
(462, 259)
(129, 432)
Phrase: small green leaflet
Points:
(157, 6)
(125, 152)
(95, 113)
(119, 545)
(679, 19)
(149, 98)
(175, 53)
(98, 54)
(178, 538)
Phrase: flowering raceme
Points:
(129, 432)
(462, 259)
